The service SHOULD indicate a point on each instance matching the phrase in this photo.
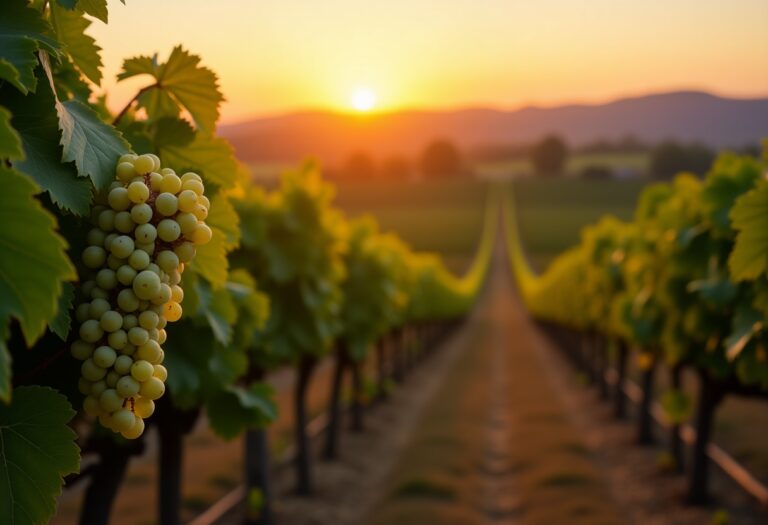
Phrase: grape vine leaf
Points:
(22, 32)
(225, 219)
(34, 263)
(34, 118)
(67, 4)
(10, 142)
(171, 131)
(38, 450)
(5, 367)
(211, 260)
(749, 216)
(95, 8)
(61, 324)
(179, 82)
(218, 309)
(70, 27)
(234, 408)
(91, 143)
(211, 157)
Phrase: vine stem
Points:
(130, 102)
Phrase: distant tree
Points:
(549, 155)
(670, 158)
(395, 168)
(441, 159)
(360, 166)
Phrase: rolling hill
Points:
(331, 137)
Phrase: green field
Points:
(552, 212)
(637, 162)
(437, 216)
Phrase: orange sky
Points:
(275, 56)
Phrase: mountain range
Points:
(332, 136)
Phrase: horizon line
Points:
(334, 110)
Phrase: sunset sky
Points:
(275, 56)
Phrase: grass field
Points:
(552, 212)
(444, 217)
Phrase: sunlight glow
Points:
(363, 99)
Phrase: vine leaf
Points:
(225, 219)
(34, 118)
(218, 309)
(10, 141)
(70, 26)
(95, 8)
(211, 260)
(5, 367)
(170, 131)
(181, 82)
(23, 31)
(62, 323)
(38, 450)
(34, 263)
(234, 408)
(211, 157)
(749, 216)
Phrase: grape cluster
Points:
(146, 228)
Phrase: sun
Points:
(363, 99)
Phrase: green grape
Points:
(90, 331)
(115, 262)
(118, 199)
(142, 370)
(98, 307)
(177, 293)
(152, 267)
(123, 222)
(202, 234)
(148, 247)
(187, 201)
(111, 321)
(81, 350)
(127, 386)
(161, 373)
(141, 213)
(167, 204)
(106, 420)
(136, 430)
(128, 350)
(112, 378)
(168, 230)
(104, 357)
(144, 407)
(106, 279)
(138, 192)
(123, 364)
(191, 176)
(200, 212)
(97, 388)
(144, 164)
(82, 313)
(171, 183)
(167, 260)
(146, 284)
(152, 388)
(108, 240)
(138, 260)
(122, 247)
(125, 274)
(174, 277)
(107, 220)
(161, 335)
(149, 351)
(155, 161)
(155, 181)
(129, 321)
(163, 296)
(205, 202)
(185, 252)
(110, 400)
(94, 256)
(118, 339)
(123, 420)
(145, 233)
(138, 336)
(98, 293)
(125, 171)
(91, 371)
(148, 319)
(95, 237)
(127, 300)
(194, 185)
(84, 386)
